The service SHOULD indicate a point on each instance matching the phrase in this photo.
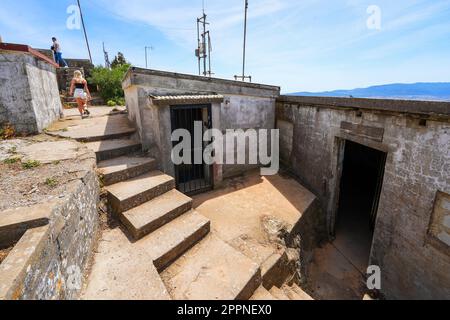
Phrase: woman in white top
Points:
(80, 91)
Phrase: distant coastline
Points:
(428, 91)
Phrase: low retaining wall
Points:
(49, 261)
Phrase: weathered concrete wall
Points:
(416, 138)
(245, 106)
(49, 262)
(29, 97)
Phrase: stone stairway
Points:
(286, 292)
(163, 249)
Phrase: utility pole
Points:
(203, 51)
(84, 29)
(105, 53)
(243, 77)
(146, 55)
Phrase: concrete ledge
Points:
(420, 108)
(28, 50)
(15, 267)
(199, 78)
(15, 222)
(163, 82)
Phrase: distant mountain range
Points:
(438, 91)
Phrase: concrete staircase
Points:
(286, 292)
(163, 243)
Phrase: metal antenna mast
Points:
(146, 55)
(84, 29)
(244, 77)
(203, 51)
(105, 53)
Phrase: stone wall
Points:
(49, 261)
(245, 106)
(416, 138)
(29, 97)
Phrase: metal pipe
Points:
(245, 40)
(198, 41)
(146, 60)
(84, 29)
(204, 44)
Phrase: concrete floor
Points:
(338, 269)
(242, 211)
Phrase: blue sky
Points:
(308, 45)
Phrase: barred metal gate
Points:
(192, 178)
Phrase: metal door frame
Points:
(192, 186)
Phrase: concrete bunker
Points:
(410, 137)
(152, 96)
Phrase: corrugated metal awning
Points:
(186, 99)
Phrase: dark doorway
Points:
(192, 178)
(360, 189)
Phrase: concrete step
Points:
(129, 194)
(262, 294)
(109, 149)
(123, 168)
(278, 294)
(154, 214)
(275, 270)
(98, 129)
(123, 270)
(172, 240)
(291, 293)
(212, 270)
(300, 292)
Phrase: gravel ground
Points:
(25, 184)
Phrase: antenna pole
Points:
(84, 30)
(146, 55)
(244, 77)
(245, 38)
(204, 43)
(203, 52)
(198, 48)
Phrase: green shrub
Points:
(11, 160)
(30, 164)
(109, 81)
(51, 182)
(111, 103)
(120, 101)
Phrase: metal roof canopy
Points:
(186, 99)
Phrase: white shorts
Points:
(80, 94)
